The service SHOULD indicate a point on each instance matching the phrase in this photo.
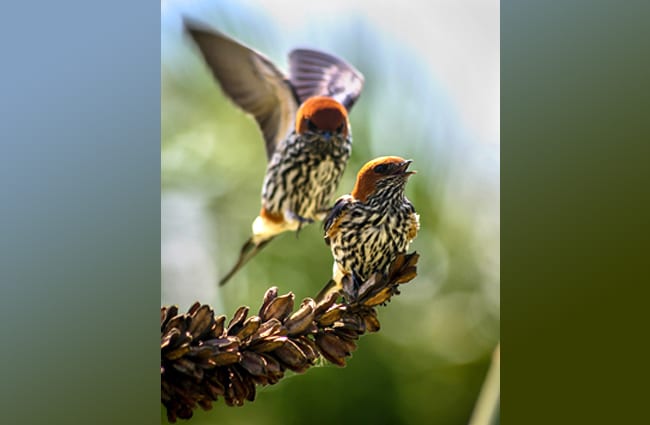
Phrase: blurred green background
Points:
(431, 94)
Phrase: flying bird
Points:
(368, 228)
(303, 117)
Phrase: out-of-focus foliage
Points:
(428, 362)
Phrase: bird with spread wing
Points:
(303, 117)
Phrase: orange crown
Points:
(324, 112)
(368, 176)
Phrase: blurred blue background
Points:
(431, 94)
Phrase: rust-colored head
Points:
(323, 114)
(385, 168)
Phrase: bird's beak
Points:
(327, 135)
(402, 169)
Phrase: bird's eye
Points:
(340, 128)
(381, 168)
(311, 126)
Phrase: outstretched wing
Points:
(314, 73)
(250, 80)
(333, 219)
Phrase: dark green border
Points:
(574, 99)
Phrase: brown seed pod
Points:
(278, 308)
(202, 359)
(302, 320)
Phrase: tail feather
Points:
(248, 251)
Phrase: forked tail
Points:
(248, 251)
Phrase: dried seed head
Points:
(407, 275)
(269, 296)
(202, 360)
(268, 344)
(166, 313)
(202, 321)
(270, 328)
(379, 297)
(302, 320)
(193, 308)
(278, 308)
(237, 320)
(292, 356)
(326, 303)
(308, 346)
(332, 348)
(371, 321)
(372, 284)
(179, 322)
(331, 316)
(225, 358)
(250, 326)
(254, 363)
(218, 327)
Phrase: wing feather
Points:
(251, 80)
(333, 219)
(314, 73)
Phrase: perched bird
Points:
(304, 120)
(368, 228)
